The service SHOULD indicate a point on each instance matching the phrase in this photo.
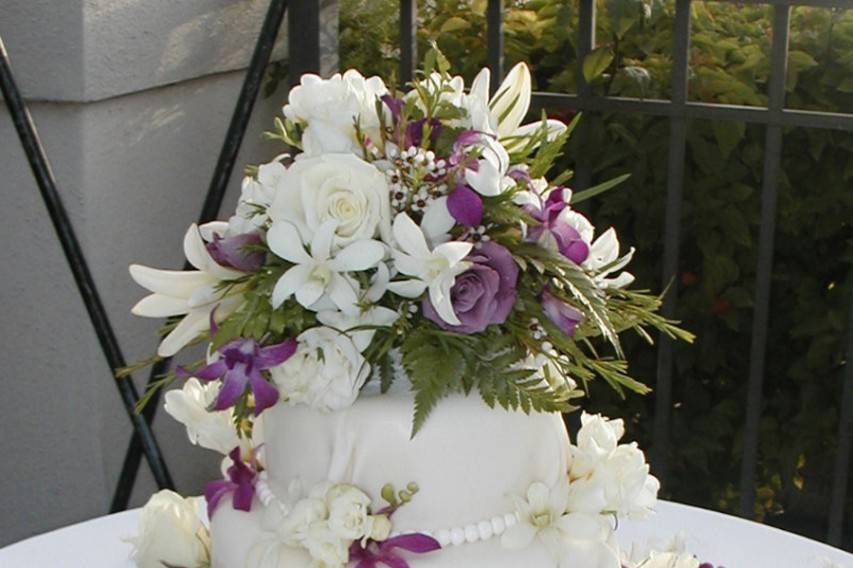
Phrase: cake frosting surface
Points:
(467, 461)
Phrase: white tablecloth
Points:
(716, 538)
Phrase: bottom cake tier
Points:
(467, 461)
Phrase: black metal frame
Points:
(304, 30)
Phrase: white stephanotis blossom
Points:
(326, 372)
(192, 293)
(509, 106)
(334, 187)
(368, 317)
(572, 539)
(320, 274)
(330, 108)
(434, 269)
(256, 195)
(171, 533)
(211, 429)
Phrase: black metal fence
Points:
(304, 38)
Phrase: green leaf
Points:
(598, 189)
(596, 62)
(453, 24)
(728, 135)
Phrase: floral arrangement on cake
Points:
(415, 236)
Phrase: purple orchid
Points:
(239, 365)
(373, 553)
(465, 205)
(231, 252)
(569, 240)
(562, 314)
(482, 295)
(241, 482)
(414, 133)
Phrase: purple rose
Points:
(482, 295)
(231, 252)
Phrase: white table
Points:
(716, 538)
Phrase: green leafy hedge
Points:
(812, 278)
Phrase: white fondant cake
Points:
(467, 460)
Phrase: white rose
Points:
(348, 512)
(326, 372)
(171, 533)
(337, 187)
(211, 429)
(628, 488)
(599, 435)
(326, 548)
(256, 195)
(330, 109)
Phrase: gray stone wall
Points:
(132, 99)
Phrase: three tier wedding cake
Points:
(396, 318)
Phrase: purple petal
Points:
(562, 314)
(395, 105)
(232, 252)
(465, 205)
(413, 542)
(233, 388)
(243, 495)
(273, 355)
(211, 371)
(393, 561)
(214, 329)
(214, 491)
(266, 395)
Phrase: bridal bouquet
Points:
(416, 234)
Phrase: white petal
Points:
(175, 283)
(321, 245)
(204, 296)
(437, 220)
(290, 282)
(284, 240)
(454, 251)
(379, 283)
(309, 293)
(194, 248)
(604, 249)
(512, 100)
(342, 294)
(407, 288)
(439, 294)
(518, 536)
(480, 85)
(213, 227)
(408, 265)
(486, 180)
(159, 306)
(409, 236)
(515, 139)
(359, 255)
(190, 327)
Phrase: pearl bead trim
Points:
(455, 536)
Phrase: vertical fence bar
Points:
(303, 28)
(209, 211)
(586, 43)
(764, 269)
(495, 44)
(408, 40)
(672, 234)
(79, 267)
(841, 473)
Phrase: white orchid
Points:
(320, 274)
(510, 104)
(192, 292)
(434, 269)
(604, 259)
(371, 315)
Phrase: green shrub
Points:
(812, 279)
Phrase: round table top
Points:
(716, 538)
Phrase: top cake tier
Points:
(467, 459)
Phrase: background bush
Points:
(812, 278)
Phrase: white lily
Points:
(320, 274)
(371, 316)
(510, 104)
(192, 292)
(435, 269)
(604, 257)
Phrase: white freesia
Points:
(194, 293)
(256, 195)
(372, 315)
(326, 372)
(170, 533)
(572, 539)
(604, 260)
(330, 108)
(434, 269)
(510, 104)
(320, 275)
(334, 187)
(211, 429)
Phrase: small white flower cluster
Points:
(573, 518)
(324, 524)
(413, 164)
